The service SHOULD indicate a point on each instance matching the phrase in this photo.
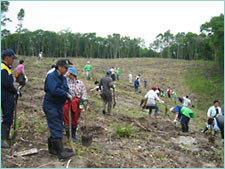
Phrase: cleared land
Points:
(154, 143)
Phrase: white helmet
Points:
(171, 109)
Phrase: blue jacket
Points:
(136, 83)
(56, 89)
(177, 109)
(7, 86)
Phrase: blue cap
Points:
(8, 52)
(72, 70)
(108, 72)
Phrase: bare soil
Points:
(154, 143)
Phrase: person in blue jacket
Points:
(8, 92)
(136, 84)
(57, 92)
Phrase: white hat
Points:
(171, 109)
(88, 62)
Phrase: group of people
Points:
(115, 73)
(64, 93)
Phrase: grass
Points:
(207, 82)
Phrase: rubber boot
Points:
(67, 132)
(5, 136)
(184, 128)
(61, 153)
(74, 130)
(187, 128)
(51, 149)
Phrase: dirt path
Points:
(154, 143)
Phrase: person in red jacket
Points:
(78, 91)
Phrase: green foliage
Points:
(207, 82)
(215, 31)
(125, 131)
(4, 9)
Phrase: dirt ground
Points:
(154, 143)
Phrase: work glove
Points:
(162, 102)
(69, 97)
(26, 79)
(19, 93)
(174, 120)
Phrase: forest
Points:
(208, 45)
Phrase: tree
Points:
(4, 9)
(214, 29)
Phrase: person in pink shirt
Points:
(21, 77)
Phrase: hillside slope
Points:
(154, 143)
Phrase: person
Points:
(113, 75)
(186, 101)
(130, 77)
(157, 92)
(139, 78)
(117, 73)
(213, 112)
(183, 113)
(163, 93)
(53, 67)
(136, 84)
(88, 68)
(177, 112)
(8, 91)
(96, 87)
(175, 97)
(151, 104)
(220, 122)
(78, 92)
(145, 83)
(168, 92)
(40, 55)
(21, 77)
(56, 93)
(105, 84)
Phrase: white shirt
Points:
(152, 95)
(187, 102)
(138, 77)
(212, 111)
(130, 76)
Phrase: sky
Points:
(136, 19)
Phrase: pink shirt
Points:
(20, 68)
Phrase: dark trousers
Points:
(150, 110)
(184, 123)
(221, 126)
(7, 105)
(136, 88)
(54, 116)
(107, 99)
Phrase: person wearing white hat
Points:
(176, 110)
(183, 113)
